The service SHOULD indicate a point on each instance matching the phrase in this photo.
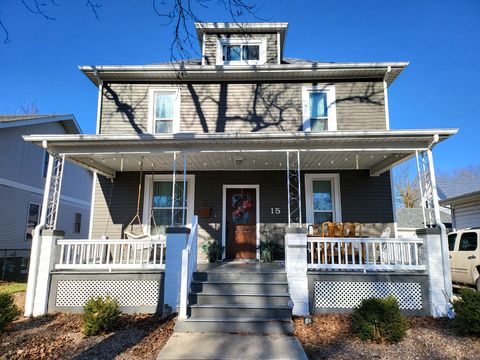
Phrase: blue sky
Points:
(440, 39)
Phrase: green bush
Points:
(379, 320)
(268, 250)
(8, 310)
(467, 312)
(213, 249)
(100, 315)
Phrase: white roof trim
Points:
(41, 120)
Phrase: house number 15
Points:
(275, 211)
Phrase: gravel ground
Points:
(329, 337)
(59, 336)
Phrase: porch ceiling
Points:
(377, 151)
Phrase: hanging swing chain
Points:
(109, 203)
(152, 216)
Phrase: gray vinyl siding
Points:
(22, 162)
(364, 199)
(13, 214)
(466, 215)
(212, 39)
(241, 107)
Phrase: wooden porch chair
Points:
(349, 250)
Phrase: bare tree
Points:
(472, 171)
(28, 108)
(177, 14)
(407, 192)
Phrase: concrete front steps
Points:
(239, 301)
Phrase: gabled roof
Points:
(412, 218)
(453, 189)
(67, 120)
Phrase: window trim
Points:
(337, 203)
(148, 193)
(331, 103)
(28, 216)
(262, 42)
(151, 108)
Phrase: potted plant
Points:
(213, 249)
(268, 249)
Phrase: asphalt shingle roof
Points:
(412, 218)
(456, 186)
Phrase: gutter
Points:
(385, 96)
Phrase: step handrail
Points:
(189, 266)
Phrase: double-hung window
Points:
(319, 111)
(33, 217)
(162, 205)
(241, 52)
(322, 198)
(164, 111)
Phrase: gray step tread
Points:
(241, 306)
(240, 293)
(237, 319)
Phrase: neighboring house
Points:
(411, 219)
(241, 147)
(462, 195)
(23, 169)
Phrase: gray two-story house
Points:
(23, 168)
(245, 146)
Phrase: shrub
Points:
(467, 312)
(379, 320)
(213, 249)
(8, 310)
(268, 250)
(100, 315)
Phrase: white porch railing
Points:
(189, 266)
(110, 254)
(375, 254)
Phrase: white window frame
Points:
(335, 189)
(151, 109)
(331, 105)
(262, 42)
(28, 217)
(148, 194)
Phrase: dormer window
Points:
(241, 52)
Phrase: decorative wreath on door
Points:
(242, 207)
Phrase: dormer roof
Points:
(242, 28)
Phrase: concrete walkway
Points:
(231, 346)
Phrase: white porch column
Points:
(176, 241)
(296, 267)
(431, 256)
(49, 253)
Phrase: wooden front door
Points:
(241, 226)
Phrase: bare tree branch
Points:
(38, 8)
(406, 186)
(94, 7)
(6, 39)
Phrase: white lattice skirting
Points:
(127, 292)
(347, 295)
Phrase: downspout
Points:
(438, 221)
(36, 240)
(385, 96)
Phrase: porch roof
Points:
(377, 151)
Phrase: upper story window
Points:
(241, 52)
(164, 111)
(319, 111)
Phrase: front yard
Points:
(330, 337)
(59, 336)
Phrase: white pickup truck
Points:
(464, 250)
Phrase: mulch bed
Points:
(330, 337)
(59, 336)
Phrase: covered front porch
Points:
(240, 190)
